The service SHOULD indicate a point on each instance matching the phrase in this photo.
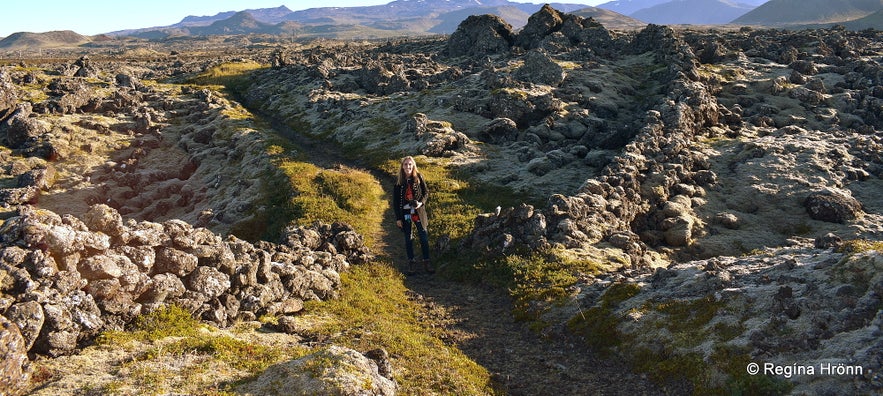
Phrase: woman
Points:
(409, 202)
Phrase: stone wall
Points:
(63, 280)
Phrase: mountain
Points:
(449, 21)
(697, 12)
(408, 9)
(873, 21)
(397, 18)
(792, 12)
(242, 22)
(266, 15)
(629, 7)
(610, 19)
(60, 38)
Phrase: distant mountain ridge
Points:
(59, 38)
(790, 12)
(699, 12)
(266, 15)
(399, 17)
(629, 7)
(419, 17)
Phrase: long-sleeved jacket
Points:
(421, 193)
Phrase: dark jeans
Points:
(409, 241)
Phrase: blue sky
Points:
(101, 16)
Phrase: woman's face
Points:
(408, 167)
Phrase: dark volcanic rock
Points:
(20, 128)
(500, 130)
(539, 68)
(832, 207)
(481, 35)
(539, 25)
(8, 94)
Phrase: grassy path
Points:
(478, 320)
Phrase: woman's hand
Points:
(399, 223)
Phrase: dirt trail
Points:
(479, 320)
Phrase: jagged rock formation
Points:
(481, 35)
(67, 279)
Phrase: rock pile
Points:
(63, 279)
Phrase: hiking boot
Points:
(411, 268)
(427, 266)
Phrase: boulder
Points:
(20, 128)
(539, 68)
(499, 130)
(100, 273)
(14, 364)
(331, 371)
(832, 206)
(8, 94)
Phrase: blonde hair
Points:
(402, 175)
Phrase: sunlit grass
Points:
(232, 75)
(345, 194)
(373, 310)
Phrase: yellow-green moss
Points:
(860, 245)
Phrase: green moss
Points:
(241, 355)
(170, 321)
(268, 218)
(687, 315)
(666, 369)
(598, 324)
(618, 293)
(350, 195)
(733, 362)
(727, 332)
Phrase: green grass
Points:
(232, 75)
(171, 334)
(373, 310)
(345, 194)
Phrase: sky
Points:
(102, 16)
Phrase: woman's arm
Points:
(425, 197)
